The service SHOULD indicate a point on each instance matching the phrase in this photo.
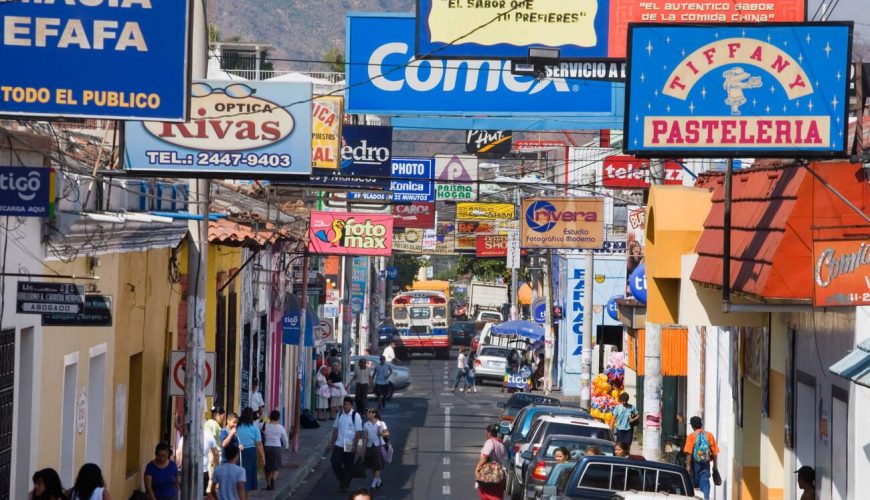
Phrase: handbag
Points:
(387, 453)
(491, 472)
(717, 478)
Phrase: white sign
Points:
(323, 331)
(177, 363)
(456, 178)
(430, 239)
(513, 249)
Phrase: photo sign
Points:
(238, 131)
(344, 233)
(738, 91)
(411, 179)
(456, 178)
(27, 191)
(562, 223)
(365, 159)
(841, 273)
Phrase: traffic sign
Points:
(392, 273)
(177, 363)
(48, 297)
(323, 331)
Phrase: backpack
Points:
(701, 453)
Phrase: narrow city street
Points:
(437, 436)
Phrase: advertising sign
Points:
(412, 179)
(48, 297)
(628, 172)
(414, 215)
(458, 178)
(513, 249)
(488, 143)
(124, 60)
(430, 239)
(578, 28)
(327, 113)
(842, 273)
(738, 91)
(343, 233)
(634, 238)
(494, 245)
(408, 241)
(484, 211)
(238, 131)
(365, 159)
(637, 283)
(97, 311)
(562, 223)
(359, 270)
(466, 232)
(27, 191)
(390, 81)
(576, 315)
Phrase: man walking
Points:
(625, 417)
(346, 434)
(363, 377)
(229, 477)
(390, 353)
(382, 381)
(702, 450)
(461, 368)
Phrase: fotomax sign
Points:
(394, 82)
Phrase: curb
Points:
(297, 477)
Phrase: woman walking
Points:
(161, 475)
(89, 484)
(376, 436)
(490, 474)
(47, 486)
(461, 368)
(336, 389)
(469, 374)
(251, 444)
(323, 393)
(275, 441)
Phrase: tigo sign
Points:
(842, 273)
(738, 91)
(562, 223)
(628, 172)
(26, 192)
(342, 233)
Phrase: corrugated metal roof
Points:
(855, 366)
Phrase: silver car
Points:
(400, 379)
(491, 363)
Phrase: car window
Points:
(517, 425)
(577, 448)
(671, 482)
(596, 476)
(533, 432)
(635, 479)
(577, 430)
(400, 312)
(617, 478)
(497, 352)
(439, 312)
(489, 316)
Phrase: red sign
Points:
(414, 215)
(628, 172)
(345, 233)
(842, 273)
(492, 246)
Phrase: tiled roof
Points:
(227, 232)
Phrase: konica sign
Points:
(412, 179)
(395, 83)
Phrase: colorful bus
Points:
(422, 323)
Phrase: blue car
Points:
(386, 332)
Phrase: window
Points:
(439, 312)
(671, 482)
(420, 313)
(400, 313)
(634, 480)
(596, 476)
(496, 352)
(617, 478)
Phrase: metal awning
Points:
(855, 366)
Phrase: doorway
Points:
(805, 422)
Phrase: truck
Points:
(487, 300)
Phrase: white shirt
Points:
(208, 444)
(372, 437)
(348, 424)
(389, 354)
(257, 400)
(274, 434)
(460, 361)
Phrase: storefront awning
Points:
(855, 366)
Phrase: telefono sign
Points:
(628, 172)
(344, 233)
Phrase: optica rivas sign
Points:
(121, 59)
(344, 233)
(393, 82)
(736, 91)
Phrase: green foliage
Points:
(483, 269)
(334, 59)
(214, 35)
(407, 267)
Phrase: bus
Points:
(422, 323)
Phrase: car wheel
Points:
(516, 492)
(390, 392)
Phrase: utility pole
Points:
(303, 319)
(652, 381)
(547, 266)
(346, 317)
(586, 355)
(515, 306)
(197, 269)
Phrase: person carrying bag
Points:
(489, 473)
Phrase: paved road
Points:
(437, 436)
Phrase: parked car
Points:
(386, 331)
(512, 407)
(600, 477)
(462, 332)
(516, 433)
(542, 462)
(399, 380)
(490, 364)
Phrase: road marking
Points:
(446, 474)
(445, 490)
(446, 461)
(447, 428)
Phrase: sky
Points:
(847, 10)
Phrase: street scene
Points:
(424, 249)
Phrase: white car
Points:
(490, 363)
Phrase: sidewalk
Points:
(295, 467)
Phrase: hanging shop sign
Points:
(327, 113)
(512, 260)
(45, 297)
(562, 223)
(392, 81)
(359, 270)
(738, 91)
(484, 211)
(247, 130)
(580, 29)
(637, 283)
(97, 311)
(456, 177)
(411, 179)
(488, 143)
(178, 366)
(841, 275)
(120, 59)
(414, 215)
(365, 159)
(27, 191)
(629, 172)
(343, 233)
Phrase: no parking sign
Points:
(177, 365)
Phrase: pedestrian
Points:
(376, 432)
(274, 441)
(390, 352)
(228, 436)
(382, 373)
(360, 494)
(89, 484)
(251, 444)
(538, 375)
(561, 455)
(362, 375)
(702, 450)
(347, 431)
(323, 393)
(492, 451)
(622, 450)
(461, 368)
(625, 417)
(336, 388)
(593, 451)
(47, 486)
(213, 426)
(161, 475)
(333, 357)
(256, 402)
(469, 373)
(210, 453)
(229, 477)
(806, 478)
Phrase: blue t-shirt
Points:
(623, 417)
(249, 435)
(228, 476)
(234, 442)
(163, 481)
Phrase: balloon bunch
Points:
(606, 389)
(616, 372)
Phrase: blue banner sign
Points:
(249, 130)
(359, 271)
(364, 162)
(119, 59)
(412, 179)
(26, 191)
(738, 91)
(393, 82)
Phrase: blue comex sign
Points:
(737, 91)
(412, 179)
(250, 130)
(393, 82)
(121, 59)
(25, 191)
(366, 154)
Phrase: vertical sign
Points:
(359, 269)
(513, 249)
(326, 131)
(456, 177)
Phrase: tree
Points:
(483, 269)
(334, 59)
(407, 266)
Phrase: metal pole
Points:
(303, 318)
(726, 239)
(515, 306)
(347, 318)
(652, 382)
(548, 319)
(586, 356)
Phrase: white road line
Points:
(445, 490)
(446, 461)
(447, 428)
(445, 474)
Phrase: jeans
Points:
(469, 379)
(625, 436)
(701, 477)
(460, 374)
(342, 465)
(362, 394)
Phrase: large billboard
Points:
(562, 223)
(125, 60)
(580, 29)
(738, 91)
(364, 160)
(390, 81)
(239, 131)
(344, 233)
(840, 273)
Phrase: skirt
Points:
(491, 491)
(374, 459)
(336, 401)
(273, 458)
(322, 403)
(249, 463)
